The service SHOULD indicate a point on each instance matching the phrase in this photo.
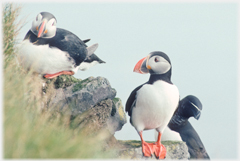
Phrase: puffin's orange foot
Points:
(160, 151)
(148, 149)
(50, 76)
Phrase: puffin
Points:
(190, 106)
(53, 51)
(152, 104)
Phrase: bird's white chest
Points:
(43, 59)
(155, 105)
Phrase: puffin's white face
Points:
(158, 64)
(44, 27)
(154, 63)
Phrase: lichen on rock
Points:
(118, 117)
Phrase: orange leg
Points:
(160, 150)
(50, 76)
(147, 148)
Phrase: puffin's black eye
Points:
(39, 17)
(54, 23)
(156, 59)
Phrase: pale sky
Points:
(200, 39)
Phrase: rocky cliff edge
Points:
(93, 106)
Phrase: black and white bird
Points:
(53, 51)
(152, 104)
(184, 108)
(190, 106)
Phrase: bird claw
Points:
(147, 149)
(160, 151)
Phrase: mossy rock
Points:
(115, 100)
(65, 81)
(62, 81)
(132, 149)
(130, 143)
(81, 84)
(137, 143)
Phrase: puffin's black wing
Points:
(193, 141)
(85, 41)
(131, 100)
(29, 35)
(69, 42)
(92, 58)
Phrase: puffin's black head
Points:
(155, 63)
(44, 25)
(190, 106)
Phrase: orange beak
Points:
(41, 29)
(138, 66)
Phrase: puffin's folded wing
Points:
(132, 100)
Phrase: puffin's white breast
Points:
(155, 105)
(43, 59)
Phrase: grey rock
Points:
(83, 95)
(92, 99)
(118, 116)
(94, 120)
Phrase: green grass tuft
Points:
(10, 31)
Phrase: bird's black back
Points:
(65, 41)
(188, 134)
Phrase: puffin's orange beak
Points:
(41, 29)
(138, 66)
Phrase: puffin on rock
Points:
(152, 104)
(53, 51)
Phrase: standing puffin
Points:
(53, 51)
(152, 104)
(189, 106)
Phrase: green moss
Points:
(130, 143)
(115, 100)
(170, 142)
(80, 85)
(64, 81)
